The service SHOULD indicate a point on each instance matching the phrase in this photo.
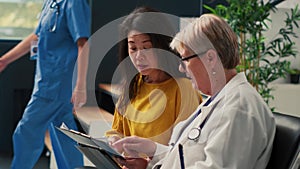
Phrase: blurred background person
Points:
(62, 32)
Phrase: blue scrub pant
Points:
(28, 138)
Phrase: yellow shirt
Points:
(156, 109)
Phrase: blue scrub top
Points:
(62, 23)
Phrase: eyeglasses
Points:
(189, 57)
(185, 59)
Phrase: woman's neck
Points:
(158, 77)
(221, 80)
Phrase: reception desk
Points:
(94, 120)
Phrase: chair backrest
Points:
(286, 142)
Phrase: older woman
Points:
(234, 128)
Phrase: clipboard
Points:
(97, 151)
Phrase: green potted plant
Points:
(294, 75)
(261, 61)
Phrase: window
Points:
(18, 18)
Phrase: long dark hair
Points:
(161, 32)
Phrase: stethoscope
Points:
(195, 132)
(54, 5)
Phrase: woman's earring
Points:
(214, 72)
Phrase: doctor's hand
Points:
(135, 147)
(78, 98)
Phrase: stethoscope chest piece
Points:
(194, 134)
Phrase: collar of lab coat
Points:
(194, 118)
(180, 132)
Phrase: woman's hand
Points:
(113, 139)
(135, 147)
(78, 98)
(135, 163)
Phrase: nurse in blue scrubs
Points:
(62, 32)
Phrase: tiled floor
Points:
(5, 161)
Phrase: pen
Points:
(180, 148)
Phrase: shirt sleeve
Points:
(37, 29)
(78, 19)
(160, 153)
(117, 126)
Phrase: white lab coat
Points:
(238, 135)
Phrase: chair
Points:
(286, 147)
(60, 157)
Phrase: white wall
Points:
(288, 4)
(286, 99)
(278, 22)
(287, 96)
